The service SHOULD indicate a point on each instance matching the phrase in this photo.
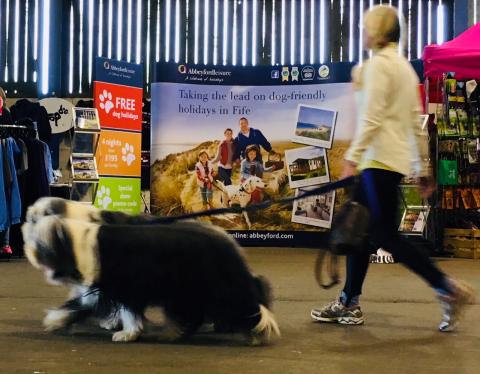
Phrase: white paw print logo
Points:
(127, 154)
(104, 199)
(106, 102)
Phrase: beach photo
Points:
(315, 126)
(315, 210)
(307, 166)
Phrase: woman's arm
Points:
(244, 169)
(377, 83)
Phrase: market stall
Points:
(453, 93)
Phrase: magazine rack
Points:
(83, 165)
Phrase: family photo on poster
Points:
(217, 158)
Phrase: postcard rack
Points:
(83, 165)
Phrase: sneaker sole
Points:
(340, 320)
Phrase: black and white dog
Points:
(81, 296)
(193, 270)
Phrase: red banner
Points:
(119, 107)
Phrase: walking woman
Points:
(388, 118)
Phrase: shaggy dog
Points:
(194, 271)
(82, 297)
(240, 194)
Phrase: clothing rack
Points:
(16, 130)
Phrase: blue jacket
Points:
(10, 209)
(247, 166)
(255, 137)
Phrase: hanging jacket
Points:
(6, 117)
(36, 177)
(26, 109)
(10, 204)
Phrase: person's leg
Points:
(203, 193)
(228, 177)
(357, 266)
(454, 295)
(4, 237)
(209, 194)
(5, 242)
(221, 174)
(382, 186)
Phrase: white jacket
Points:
(389, 124)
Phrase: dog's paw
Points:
(173, 332)
(56, 319)
(126, 336)
(110, 324)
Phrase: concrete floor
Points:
(399, 335)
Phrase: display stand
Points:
(458, 158)
(83, 165)
(457, 135)
(415, 213)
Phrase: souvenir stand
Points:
(452, 74)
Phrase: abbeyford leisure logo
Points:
(182, 69)
(308, 73)
(106, 65)
(323, 71)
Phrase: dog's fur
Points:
(193, 270)
(48, 206)
(240, 194)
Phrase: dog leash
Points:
(342, 183)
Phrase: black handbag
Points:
(349, 229)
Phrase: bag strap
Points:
(330, 261)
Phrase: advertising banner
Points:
(119, 107)
(119, 194)
(270, 131)
(118, 94)
(117, 153)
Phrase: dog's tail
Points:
(264, 290)
(266, 329)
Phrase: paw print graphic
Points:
(127, 154)
(104, 199)
(106, 102)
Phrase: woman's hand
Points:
(349, 169)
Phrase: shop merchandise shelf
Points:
(462, 243)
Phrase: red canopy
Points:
(460, 55)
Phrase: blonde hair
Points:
(383, 25)
(3, 96)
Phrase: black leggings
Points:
(378, 191)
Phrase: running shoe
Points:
(454, 305)
(336, 312)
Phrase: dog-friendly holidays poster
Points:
(308, 119)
